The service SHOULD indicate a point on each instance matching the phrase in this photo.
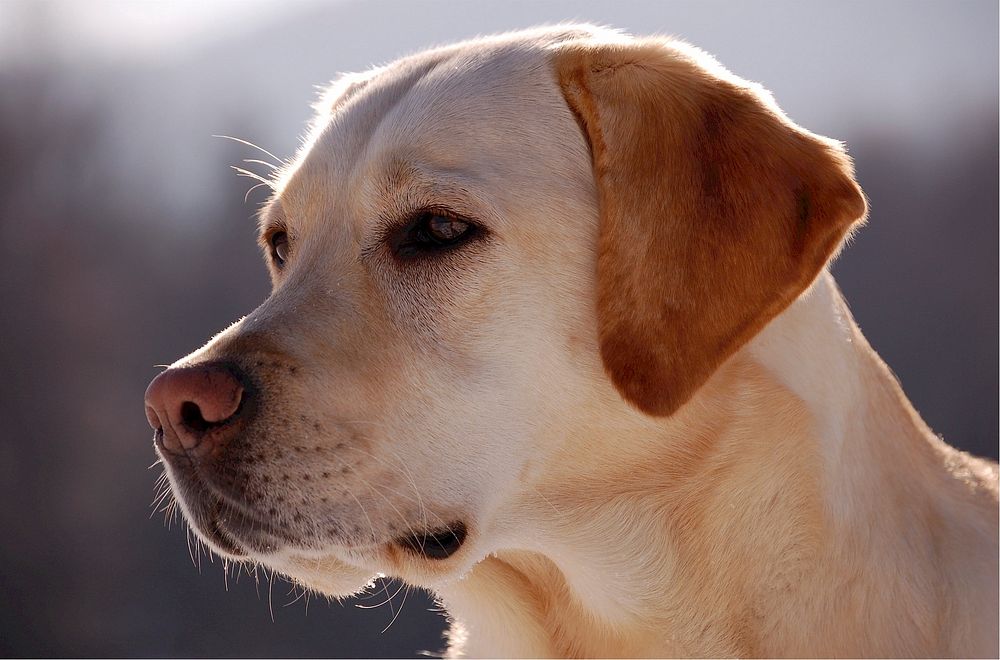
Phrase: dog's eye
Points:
(432, 231)
(442, 230)
(279, 247)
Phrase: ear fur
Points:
(716, 211)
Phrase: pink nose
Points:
(189, 403)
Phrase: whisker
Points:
(156, 505)
(159, 500)
(249, 144)
(547, 501)
(190, 546)
(252, 175)
(388, 598)
(396, 616)
(170, 514)
(246, 197)
(262, 162)
(300, 596)
(376, 491)
(372, 607)
(270, 588)
(372, 488)
(365, 513)
(409, 477)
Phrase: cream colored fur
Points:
(796, 505)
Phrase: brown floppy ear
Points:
(716, 211)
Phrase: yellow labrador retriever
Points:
(552, 335)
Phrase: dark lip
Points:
(438, 543)
(247, 534)
(222, 519)
(212, 529)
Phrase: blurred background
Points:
(125, 242)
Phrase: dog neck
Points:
(729, 528)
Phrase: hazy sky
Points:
(111, 29)
(910, 70)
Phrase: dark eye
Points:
(444, 230)
(279, 247)
(432, 231)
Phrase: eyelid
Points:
(442, 211)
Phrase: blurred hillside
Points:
(126, 243)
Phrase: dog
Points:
(552, 335)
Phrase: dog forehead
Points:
(475, 105)
(454, 108)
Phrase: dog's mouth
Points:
(240, 533)
(213, 529)
(221, 521)
(436, 544)
(234, 532)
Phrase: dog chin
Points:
(328, 575)
(324, 573)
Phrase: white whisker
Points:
(396, 616)
(250, 144)
(246, 197)
(252, 175)
(262, 162)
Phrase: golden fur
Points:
(716, 211)
(639, 388)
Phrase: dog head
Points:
(481, 254)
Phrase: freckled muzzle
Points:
(255, 478)
(196, 413)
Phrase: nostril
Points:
(191, 403)
(153, 418)
(192, 418)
